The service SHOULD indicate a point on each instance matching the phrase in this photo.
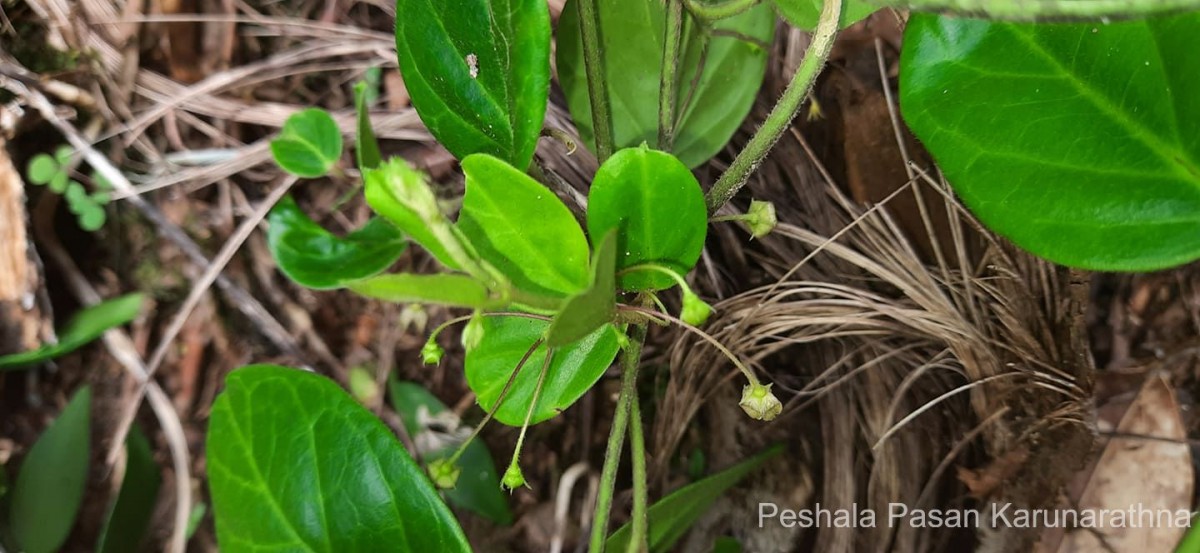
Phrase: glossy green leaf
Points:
(632, 38)
(295, 464)
(402, 194)
(592, 308)
(309, 144)
(1077, 142)
(442, 289)
(130, 514)
(49, 488)
(672, 516)
(658, 208)
(85, 326)
(573, 370)
(316, 258)
(522, 228)
(478, 488)
(366, 145)
(804, 14)
(478, 72)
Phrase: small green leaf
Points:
(573, 370)
(295, 464)
(314, 257)
(50, 486)
(442, 289)
(522, 228)
(85, 326)
(42, 169)
(130, 514)
(402, 194)
(672, 516)
(309, 144)
(366, 146)
(63, 154)
(632, 39)
(61, 182)
(91, 216)
(804, 14)
(593, 308)
(478, 486)
(658, 208)
(1088, 151)
(478, 72)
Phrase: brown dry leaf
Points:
(982, 483)
(1138, 470)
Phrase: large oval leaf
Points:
(478, 72)
(632, 38)
(314, 257)
(657, 207)
(478, 488)
(49, 488)
(1077, 142)
(131, 511)
(573, 370)
(522, 228)
(295, 464)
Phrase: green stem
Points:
(616, 437)
(668, 88)
(784, 111)
(499, 401)
(716, 12)
(593, 63)
(1022, 10)
(537, 392)
(700, 333)
(639, 534)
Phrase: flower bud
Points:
(761, 218)
(444, 473)
(513, 478)
(431, 352)
(695, 311)
(472, 334)
(363, 386)
(759, 402)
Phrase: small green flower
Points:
(695, 310)
(444, 473)
(761, 218)
(513, 478)
(432, 353)
(759, 402)
(472, 334)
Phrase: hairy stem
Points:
(723, 10)
(784, 111)
(668, 88)
(616, 438)
(593, 63)
(1059, 10)
(639, 535)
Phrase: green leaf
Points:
(314, 257)
(131, 512)
(726, 544)
(573, 370)
(50, 486)
(42, 169)
(366, 146)
(672, 516)
(478, 72)
(85, 326)
(593, 308)
(804, 14)
(478, 488)
(396, 191)
(309, 144)
(522, 228)
(632, 39)
(295, 464)
(658, 208)
(91, 216)
(1088, 151)
(61, 183)
(443, 289)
